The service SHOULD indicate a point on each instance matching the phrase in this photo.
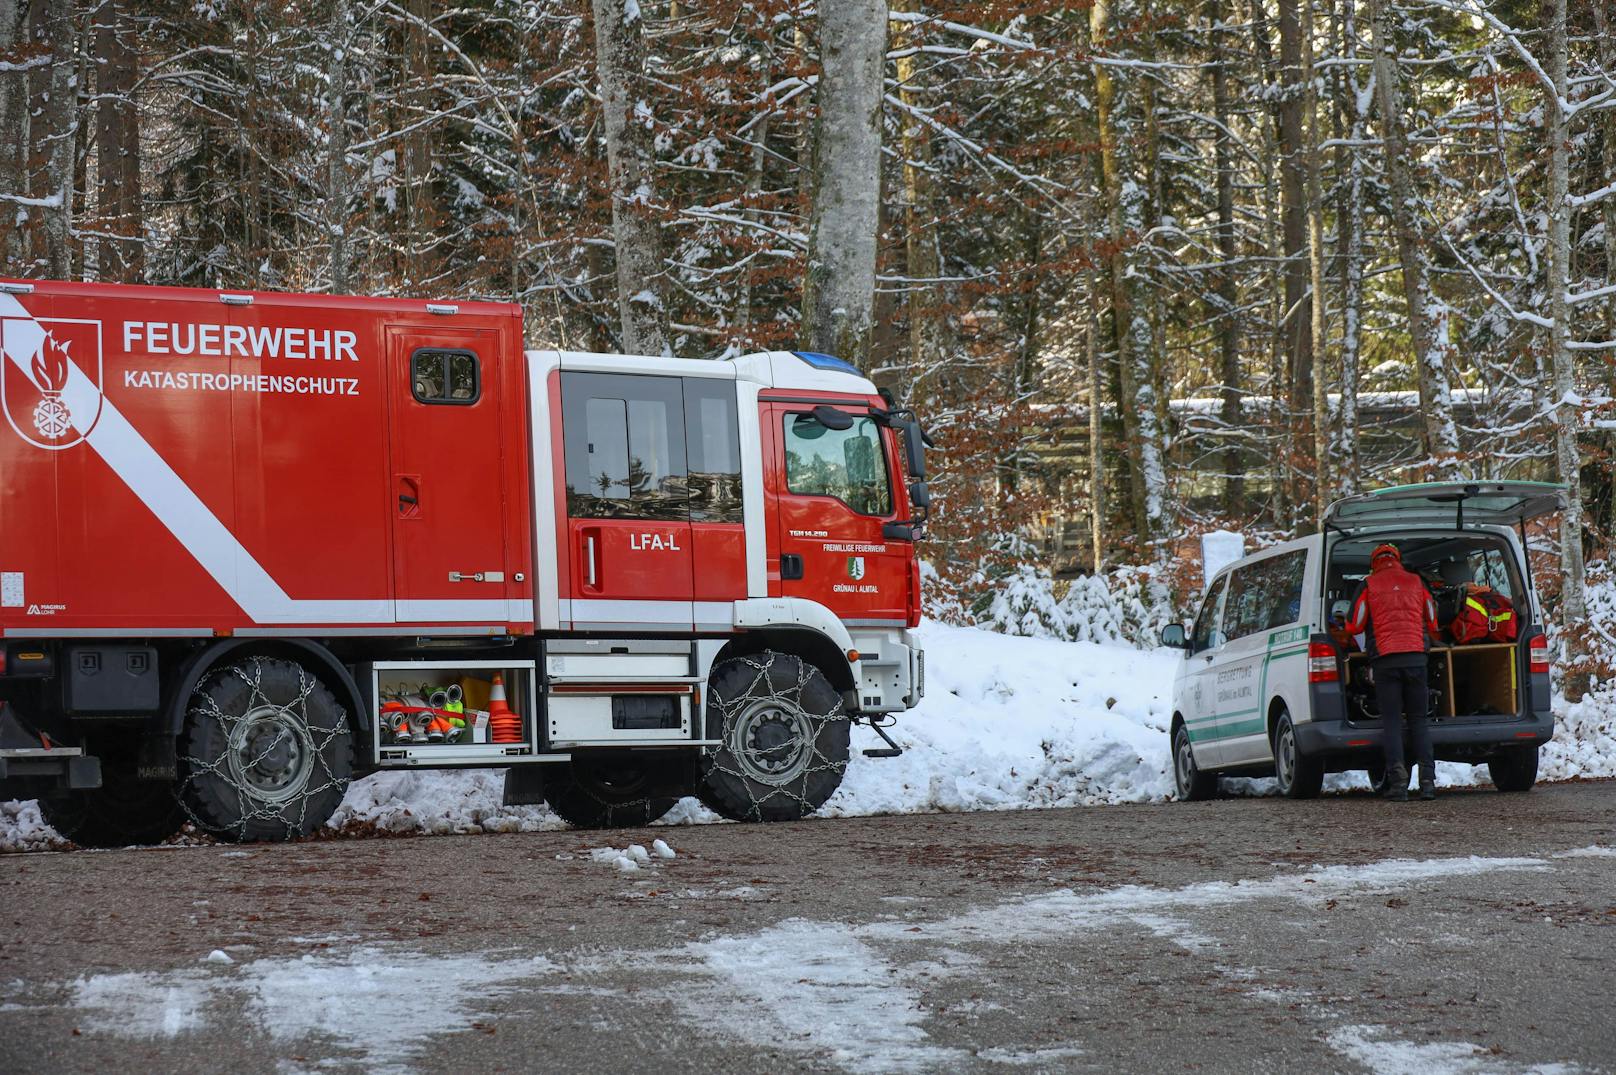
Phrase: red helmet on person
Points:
(1384, 556)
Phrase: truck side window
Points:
(847, 464)
(1205, 623)
(625, 447)
(438, 375)
(712, 430)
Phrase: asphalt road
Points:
(1473, 934)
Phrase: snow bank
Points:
(1007, 723)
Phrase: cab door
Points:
(448, 505)
(627, 531)
(833, 491)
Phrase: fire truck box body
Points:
(189, 477)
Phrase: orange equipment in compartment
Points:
(505, 725)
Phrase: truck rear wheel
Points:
(605, 793)
(1514, 769)
(122, 812)
(785, 739)
(266, 753)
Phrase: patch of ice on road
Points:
(1061, 912)
(812, 986)
(1377, 1049)
(629, 859)
(352, 999)
(1039, 1058)
(1592, 851)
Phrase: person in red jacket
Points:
(1396, 616)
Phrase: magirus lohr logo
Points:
(50, 383)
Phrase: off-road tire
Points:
(1514, 769)
(1191, 784)
(122, 812)
(605, 793)
(266, 752)
(785, 738)
(1299, 776)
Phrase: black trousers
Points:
(1400, 689)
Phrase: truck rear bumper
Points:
(1338, 739)
(30, 765)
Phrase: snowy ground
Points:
(1007, 723)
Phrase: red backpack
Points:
(1484, 616)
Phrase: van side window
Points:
(1487, 567)
(1205, 623)
(1265, 595)
(625, 447)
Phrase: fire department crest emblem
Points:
(855, 567)
(50, 383)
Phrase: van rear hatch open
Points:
(1447, 504)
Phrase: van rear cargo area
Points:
(1479, 678)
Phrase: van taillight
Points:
(1321, 663)
(1538, 654)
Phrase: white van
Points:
(1264, 690)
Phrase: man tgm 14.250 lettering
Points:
(254, 545)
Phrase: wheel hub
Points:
(271, 754)
(773, 741)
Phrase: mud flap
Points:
(524, 785)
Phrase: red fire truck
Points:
(254, 545)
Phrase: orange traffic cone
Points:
(504, 725)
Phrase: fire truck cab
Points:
(254, 545)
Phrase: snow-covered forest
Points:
(1146, 267)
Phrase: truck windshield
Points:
(847, 464)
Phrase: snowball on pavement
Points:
(217, 956)
(662, 850)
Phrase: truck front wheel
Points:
(266, 753)
(785, 739)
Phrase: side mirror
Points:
(898, 531)
(914, 453)
(831, 418)
(1172, 636)
(919, 495)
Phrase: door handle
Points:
(591, 570)
(790, 565)
(409, 496)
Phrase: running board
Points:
(891, 750)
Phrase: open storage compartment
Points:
(1485, 682)
(413, 707)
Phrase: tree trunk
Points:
(636, 230)
(1427, 318)
(839, 287)
(1125, 215)
(336, 163)
(122, 245)
(61, 130)
(1226, 295)
(1096, 378)
(13, 148)
(922, 253)
(1573, 602)
(1350, 244)
(1317, 307)
(1281, 442)
(1293, 188)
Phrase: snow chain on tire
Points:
(785, 739)
(266, 752)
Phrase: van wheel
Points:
(1514, 769)
(785, 739)
(266, 753)
(1299, 776)
(122, 812)
(605, 793)
(1192, 784)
